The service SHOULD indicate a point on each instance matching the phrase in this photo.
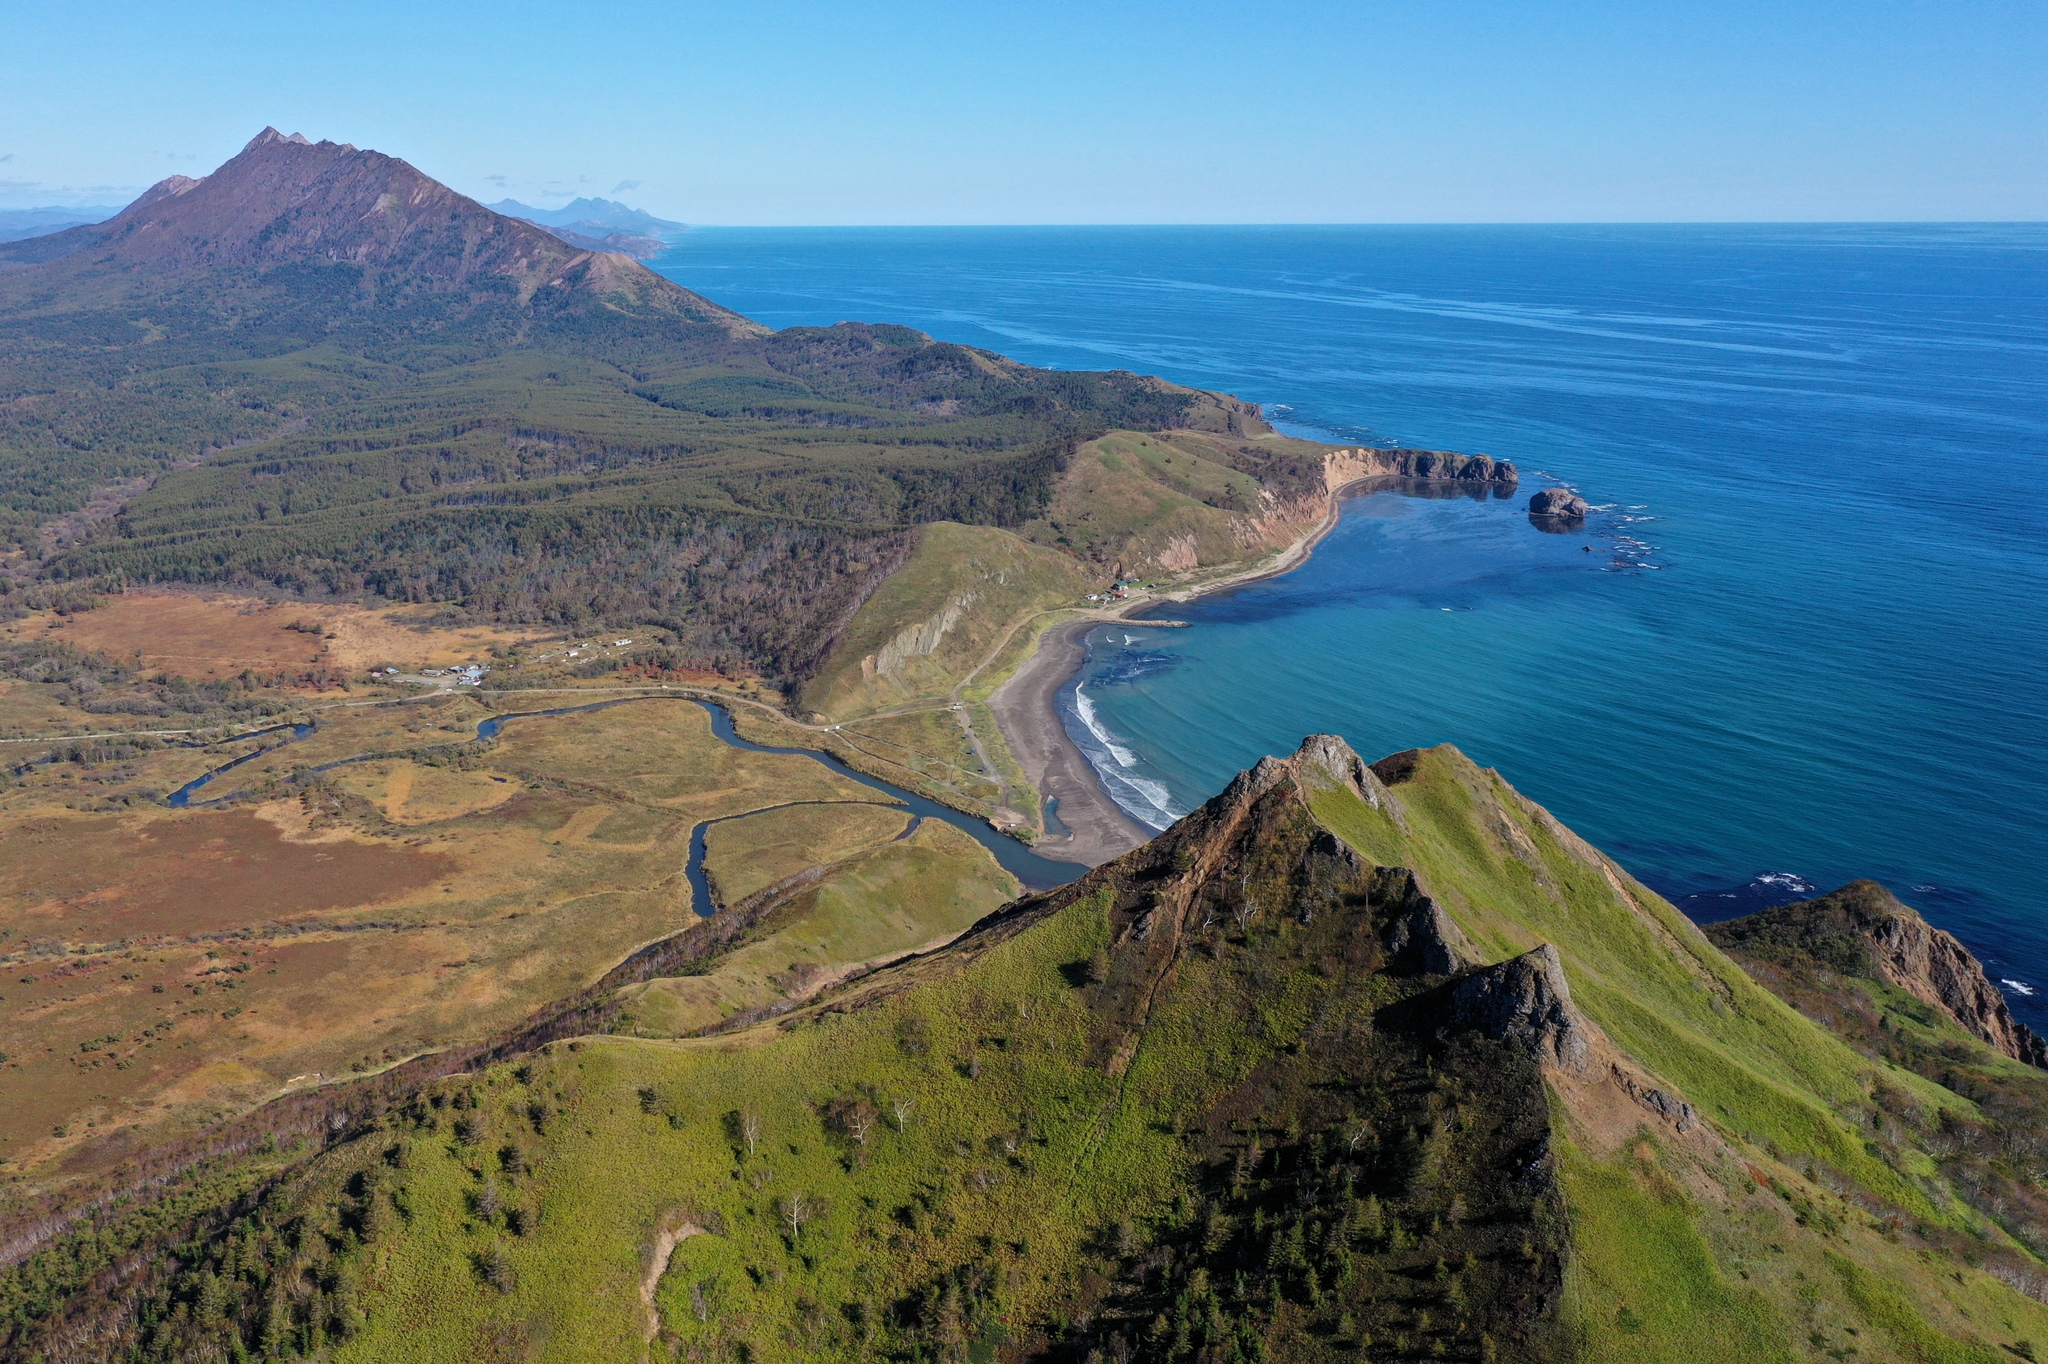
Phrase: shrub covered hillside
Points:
(1353, 1063)
(318, 369)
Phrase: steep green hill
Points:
(1352, 1063)
(1173, 502)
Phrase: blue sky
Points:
(1055, 112)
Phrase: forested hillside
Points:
(318, 369)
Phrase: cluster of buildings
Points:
(1118, 592)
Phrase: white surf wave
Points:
(1144, 800)
(1085, 708)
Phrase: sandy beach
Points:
(1026, 708)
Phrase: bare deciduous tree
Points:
(750, 1128)
(1245, 907)
(796, 1210)
(901, 1108)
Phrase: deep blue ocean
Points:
(1804, 635)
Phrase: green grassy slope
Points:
(1162, 502)
(960, 593)
(1211, 1102)
(1512, 877)
(1820, 961)
(1823, 1152)
(885, 900)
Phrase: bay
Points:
(1809, 636)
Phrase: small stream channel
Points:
(1036, 872)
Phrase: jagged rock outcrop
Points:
(1675, 1111)
(1525, 998)
(1558, 504)
(1864, 930)
(1328, 756)
(1418, 935)
(1350, 466)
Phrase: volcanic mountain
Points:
(289, 201)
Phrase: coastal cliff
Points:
(1345, 467)
(1862, 930)
(1284, 520)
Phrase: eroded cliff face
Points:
(1281, 521)
(1345, 467)
(1931, 964)
(1863, 929)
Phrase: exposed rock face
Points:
(1558, 505)
(1675, 1111)
(1419, 936)
(1327, 757)
(915, 641)
(1525, 998)
(1350, 466)
(1925, 961)
(1863, 929)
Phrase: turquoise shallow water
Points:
(1810, 636)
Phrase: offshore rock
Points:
(1525, 998)
(1556, 504)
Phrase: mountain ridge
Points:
(1356, 1060)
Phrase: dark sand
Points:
(1029, 717)
(1027, 711)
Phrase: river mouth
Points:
(1037, 873)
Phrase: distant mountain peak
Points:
(270, 135)
(594, 218)
(287, 200)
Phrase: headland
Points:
(1026, 706)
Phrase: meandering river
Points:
(1037, 873)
